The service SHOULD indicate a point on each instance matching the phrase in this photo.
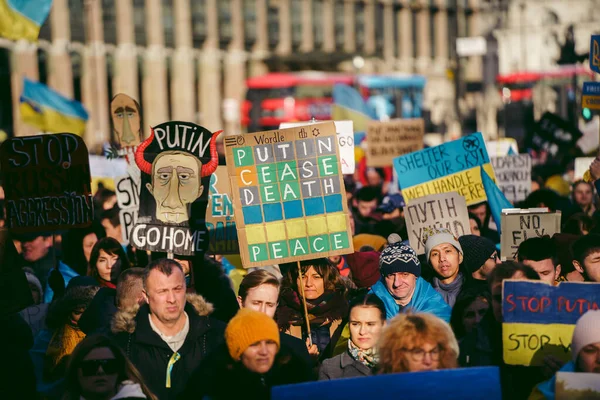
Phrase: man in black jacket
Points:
(170, 335)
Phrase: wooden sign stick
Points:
(170, 254)
(304, 302)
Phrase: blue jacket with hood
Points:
(546, 390)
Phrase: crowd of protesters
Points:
(110, 322)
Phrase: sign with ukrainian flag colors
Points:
(449, 167)
(539, 319)
(590, 97)
(595, 54)
(288, 195)
(22, 19)
(49, 110)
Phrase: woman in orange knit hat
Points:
(248, 364)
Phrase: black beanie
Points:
(476, 251)
(398, 257)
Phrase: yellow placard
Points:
(591, 102)
(528, 344)
(467, 183)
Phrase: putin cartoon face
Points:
(125, 116)
(176, 184)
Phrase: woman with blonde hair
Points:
(98, 369)
(417, 342)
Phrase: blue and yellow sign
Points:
(539, 319)
(595, 54)
(591, 95)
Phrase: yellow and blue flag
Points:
(49, 110)
(348, 104)
(496, 199)
(22, 19)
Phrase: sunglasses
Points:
(90, 367)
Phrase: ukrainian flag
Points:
(348, 104)
(50, 111)
(22, 19)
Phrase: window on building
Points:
(225, 29)
(296, 21)
(109, 21)
(42, 61)
(339, 20)
(198, 9)
(317, 23)
(452, 27)
(433, 29)
(76, 20)
(168, 23)
(379, 28)
(139, 22)
(249, 23)
(359, 25)
(273, 23)
(110, 73)
(415, 35)
(6, 117)
(76, 68)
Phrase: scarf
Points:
(369, 357)
(62, 344)
(449, 291)
(325, 309)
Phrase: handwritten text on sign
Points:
(539, 319)
(288, 194)
(447, 210)
(46, 179)
(390, 139)
(220, 215)
(513, 176)
(449, 167)
(518, 227)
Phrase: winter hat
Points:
(478, 250)
(364, 267)
(366, 239)
(33, 280)
(248, 327)
(586, 332)
(435, 236)
(398, 257)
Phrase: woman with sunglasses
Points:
(417, 342)
(99, 370)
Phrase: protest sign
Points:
(590, 96)
(577, 386)
(519, 225)
(539, 319)
(450, 167)
(582, 164)
(345, 132)
(176, 163)
(220, 215)
(595, 53)
(458, 383)
(444, 210)
(390, 139)
(553, 135)
(502, 147)
(46, 180)
(128, 199)
(513, 176)
(289, 195)
(126, 121)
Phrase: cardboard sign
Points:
(444, 210)
(502, 147)
(46, 180)
(450, 167)
(176, 163)
(554, 135)
(519, 225)
(345, 132)
(126, 122)
(128, 199)
(289, 195)
(388, 140)
(577, 385)
(458, 383)
(590, 96)
(220, 215)
(539, 319)
(513, 176)
(582, 164)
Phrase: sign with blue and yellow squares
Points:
(288, 187)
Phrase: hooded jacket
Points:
(424, 299)
(164, 373)
(546, 390)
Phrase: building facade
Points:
(188, 59)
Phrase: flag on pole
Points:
(49, 110)
(496, 199)
(22, 19)
(348, 104)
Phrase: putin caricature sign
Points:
(176, 163)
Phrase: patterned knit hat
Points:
(248, 327)
(478, 250)
(398, 257)
(435, 236)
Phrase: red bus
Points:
(285, 97)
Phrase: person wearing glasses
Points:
(99, 370)
(444, 254)
(366, 322)
(417, 342)
(479, 260)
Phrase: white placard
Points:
(582, 164)
(513, 176)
